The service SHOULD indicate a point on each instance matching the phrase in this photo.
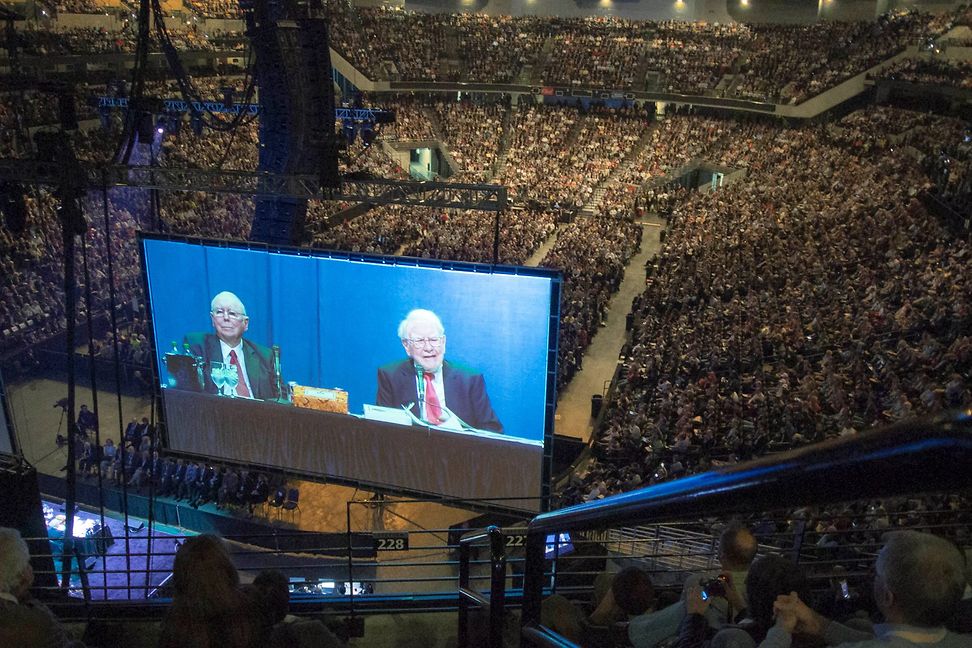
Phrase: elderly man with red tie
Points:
(434, 389)
(253, 362)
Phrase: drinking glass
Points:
(217, 373)
(231, 379)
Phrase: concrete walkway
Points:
(541, 252)
(573, 416)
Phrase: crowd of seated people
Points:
(810, 59)
(32, 286)
(202, 213)
(537, 133)
(469, 235)
(935, 71)
(38, 109)
(410, 123)
(81, 6)
(790, 313)
(599, 52)
(133, 346)
(495, 48)
(787, 63)
(214, 8)
(98, 40)
(472, 132)
(606, 52)
(601, 142)
(32, 281)
(137, 462)
(381, 230)
(784, 63)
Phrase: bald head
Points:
(226, 299)
(737, 547)
(229, 317)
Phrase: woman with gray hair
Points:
(24, 622)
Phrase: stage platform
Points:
(258, 531)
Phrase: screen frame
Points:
(554, 276)
(6, 424)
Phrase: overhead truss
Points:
(177, 106)
(376, 191)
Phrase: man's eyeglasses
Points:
(433, 342)
(230, 314)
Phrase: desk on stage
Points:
(415, 458)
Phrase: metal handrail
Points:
(496, 602)
(922, 455)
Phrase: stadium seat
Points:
(277, 501)
(293, 495)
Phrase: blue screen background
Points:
(336, 320)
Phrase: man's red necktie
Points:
(241, 389)
(433, 409)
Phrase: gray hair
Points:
(419, 315)
(925, 574)
(14, 559)
(228, 296)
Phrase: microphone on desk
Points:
(421, 390)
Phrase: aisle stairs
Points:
(724, 84)
(434, 122)
(450, 65)
(590, 208)
(536, 77)
(499, 164)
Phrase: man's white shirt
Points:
(225, 348)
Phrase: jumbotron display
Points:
(426, 376)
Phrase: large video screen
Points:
(432, 377)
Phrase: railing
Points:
(922, 456)
(494, 605)
(428, 570)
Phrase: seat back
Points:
(293, 495)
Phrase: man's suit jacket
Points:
(258, 359)
(465, 392)
(30, 625)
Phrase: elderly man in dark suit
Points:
(433, 386)
(253, 362)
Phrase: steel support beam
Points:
(377, 191)
(172, 106)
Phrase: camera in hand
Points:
(714, 587)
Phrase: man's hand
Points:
(694, 604)
(795, 616)
(607, 611)
(786, 620)
(734, 597)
